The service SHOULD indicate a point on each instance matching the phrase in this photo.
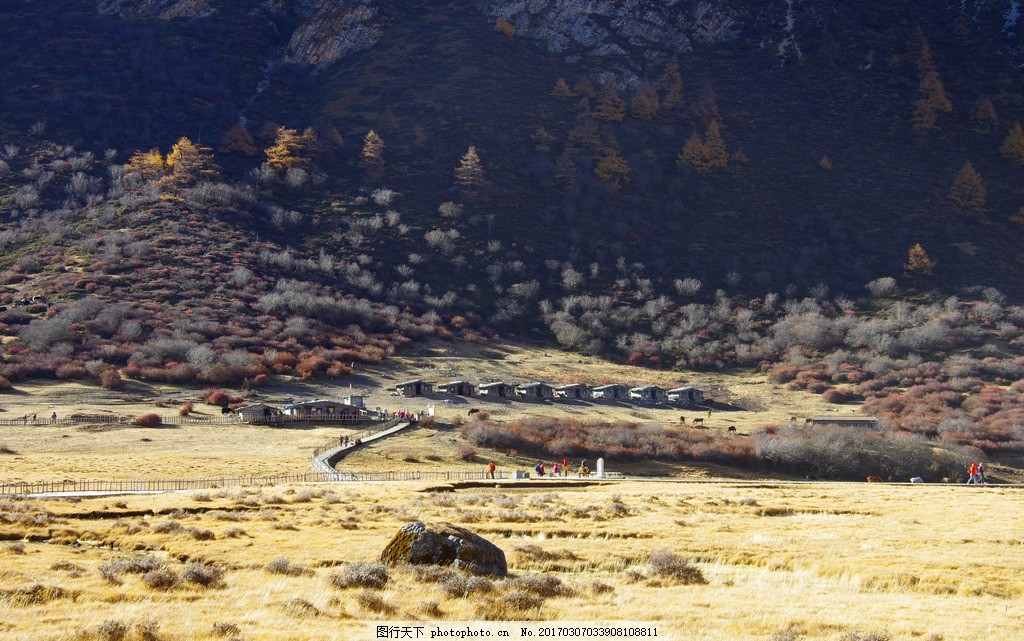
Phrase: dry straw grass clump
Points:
(203, 574)
(374, 603)
(37, 594)
(112, 570)
(668, 565)
(281, 565)
(361, 575)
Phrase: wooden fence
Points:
(225, 419)
(166, 485)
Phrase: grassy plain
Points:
(781, 561)
(844, 562)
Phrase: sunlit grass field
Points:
(778, 561)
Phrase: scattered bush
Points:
(202, 574)
(466, 452)
(672, 566)
(282, 565)
(110, 379)
(374, 603)
(361, 575)
(161, 579)
(149, 419)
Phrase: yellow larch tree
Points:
(968, 191)
(919, 265)
(469, 175)
(149, 165)
(1013, 145)
(372, 157)
(289, 149)
(612, 169)
(188, 162)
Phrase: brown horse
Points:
(874, 479)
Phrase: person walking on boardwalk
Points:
(972, 473)
(565, 466)
(980, 475)
(53, 417)
(490, 469)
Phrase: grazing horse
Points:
(732, 428)
(698, 421)
(874, 479)
(474, 411)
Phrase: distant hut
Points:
(257, 413)
(613, 392)
(576, 391)
(686, 395)
(535, 390)
(354, 400)
(458, 388)
(497, 389)
(649, 393)
(414, 387)
(322, 409)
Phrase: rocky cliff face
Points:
(163, 9)
(620, 37)
(621, 34)
(332, 29)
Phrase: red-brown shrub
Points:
(311, 365)
(220, 398)
(111, 379)
(186, 408)
(148, 420)
(261, 380)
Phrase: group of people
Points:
(976, 474)
(557, 468)
(34, 417)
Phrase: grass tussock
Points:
(281, 565)
(372, 576)
(668, 565)
(37, 594)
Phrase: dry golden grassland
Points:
(844, 562)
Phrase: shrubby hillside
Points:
(209, 191)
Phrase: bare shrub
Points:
(186, 408)
(687, 286)
(112, 570)
(301, 607)
(383, 197)
(667, 564)
(374, 603)
(466, 452)
(509, 607)
(202, 573)
(113, 630)
(361, 575)
(282, 565)
(542, 585)
(161, 579)
(167, 527)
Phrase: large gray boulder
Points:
(445, 544)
